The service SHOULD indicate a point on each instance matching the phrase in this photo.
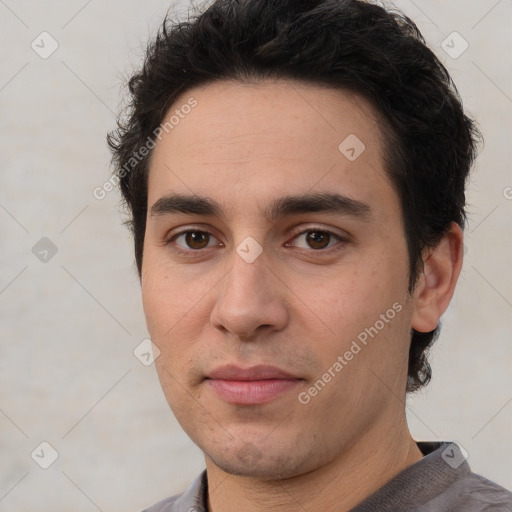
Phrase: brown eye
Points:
(191, 241)
(318, 239)
(197, 239)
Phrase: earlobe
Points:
(436, 284)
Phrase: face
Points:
(275, 275)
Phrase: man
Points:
(295, 175)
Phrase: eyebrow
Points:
(284, 206)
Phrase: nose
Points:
(251, 300)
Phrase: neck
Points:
(338, 486)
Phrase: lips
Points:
(259, 372)
(250, 386)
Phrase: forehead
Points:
(251, 140)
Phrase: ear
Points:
(436, 284)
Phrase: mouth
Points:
(250, 386)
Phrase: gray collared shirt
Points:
(441, 481)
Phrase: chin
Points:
(264, 471)
(249, 461)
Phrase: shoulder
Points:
(191, 500)
(166, 505)
(472, 493)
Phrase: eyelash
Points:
(189, 253)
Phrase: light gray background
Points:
(68, 375)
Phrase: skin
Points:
(298, 306)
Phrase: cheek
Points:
(176, 311)
(353, 297)
(365, 303)
(157, 303)
(163, 309)
(164, 296)
(167, 322)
